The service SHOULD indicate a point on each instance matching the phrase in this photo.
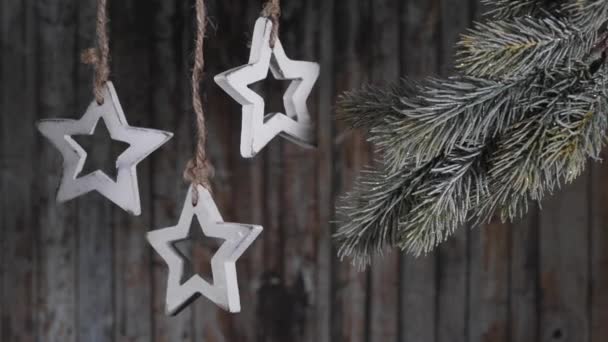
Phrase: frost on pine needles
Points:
(524, 115)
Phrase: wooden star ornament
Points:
(260, 128)
(124, 192)
(223, 290)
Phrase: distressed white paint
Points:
(125, 190)
(258, 127)
(224, 290)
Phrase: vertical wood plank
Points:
(489, 283)
(137, 28)
(419, 51)
(326, 279)
(173, 113)
(300, 218)
(564, 264)
(385, 276)
(489, 275)
(18, 148)
(351, 69)
(57, 315)
(453, 272)
(238, 189)
(524, 312)
(210, 322)
(95, 287)
(599, 252)
(275, 300)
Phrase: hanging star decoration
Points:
(260, 128)
(124, 192)
(223, 290)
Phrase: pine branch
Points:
(371, 105)
(518, 46)
(455, 185)
(502, 9)
(417, 208)
(468, 147)
(456, 111)
(369, 216)
(589, 15)
(538, 155)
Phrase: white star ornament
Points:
(260, 128)
(124, 192)
(223, 290)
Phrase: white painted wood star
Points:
(124, 192)
(258, 127)
(224, 289)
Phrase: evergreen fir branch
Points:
(417, 208)
(369, 215)
(454, 186)
(589, 15)
(445, 114)
(489, 142)
(460, 110)
(544, 151)
(518, 46)
(501, 9)
(450, 112)
(371, 105)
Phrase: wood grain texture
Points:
(490, 249)
(57, 224)
(524, 288)
(83, 271)
(454, 259)
(352, 153)
(173, 113)
(299, 194)
(599, 253)
(136, 30)
(385, 67)
(210, 322)
(94, 221)
(489, 283)
(18, 233)
(419, 58)
(564, 264)
(236, 181)
(323, 39)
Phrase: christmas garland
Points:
(524, 115)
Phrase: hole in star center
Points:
(272, 90)
(198, 250)
(102, 151)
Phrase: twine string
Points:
(272, 10)
(199, 169)
(99, 57)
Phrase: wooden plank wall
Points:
(83, 271)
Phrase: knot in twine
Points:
(99, 57)
(93, 57)
(272, 10)
(197, 173)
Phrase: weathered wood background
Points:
(83, 271)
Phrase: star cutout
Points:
(124, 192)
(224, 290)
(90, 143)
(260, 128)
